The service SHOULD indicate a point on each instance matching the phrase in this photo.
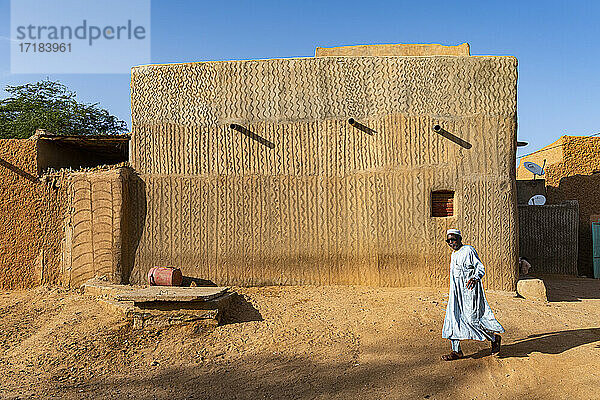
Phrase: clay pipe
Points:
(441, 131)
(360, 126)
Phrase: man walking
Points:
(468, 315)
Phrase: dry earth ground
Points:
(302, 343)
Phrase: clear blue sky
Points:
(555, 43)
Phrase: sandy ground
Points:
(302, 343)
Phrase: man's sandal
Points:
(452, 356)
(496, 344)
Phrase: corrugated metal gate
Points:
(548, 237)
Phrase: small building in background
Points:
(572, 172)
(37, 188)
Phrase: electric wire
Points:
(553, 147)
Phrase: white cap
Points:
(453, 232)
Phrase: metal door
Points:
(596, 245)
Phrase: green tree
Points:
(51, 106)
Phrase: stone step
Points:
(532, 289)
(172, 294)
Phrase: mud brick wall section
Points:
(573, 173)
(31, 215)
(93, 227)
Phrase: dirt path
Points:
(302, 343)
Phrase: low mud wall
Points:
(31, 215)
(93, 227)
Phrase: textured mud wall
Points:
(568, 156)
(570, 175)
(581, 156)
(94, 227)
(31, 214)
(394, 50)
(552, 154)
(299, 196)
(548, 237)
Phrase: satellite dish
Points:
(533, 167)
(537, 200)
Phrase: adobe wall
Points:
(552, 154)
(394, 50)
(31, 215)
(568, 156)
(581, 156)
(298, 195)
(94, 226)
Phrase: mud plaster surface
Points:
(394, 50)
(94, 226)
(299, 196)
(31, 214)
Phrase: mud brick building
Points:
(31, 231)
(339, 169)
(253, 175)
(59, 227)
(572, 172)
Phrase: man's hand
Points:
(471, 283)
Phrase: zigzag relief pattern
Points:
(327, 203)
(190, 220)
(144, 232)
(209, 224)
(312, 229)
(308, 89)
(333, 147)
(491, 229)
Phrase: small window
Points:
(442, 203)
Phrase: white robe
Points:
(468, 314)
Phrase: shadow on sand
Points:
(565, 288)
(189, 281)
(240, 310)
(547, 343)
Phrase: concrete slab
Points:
(172, 294)
(165, 317)
(161, 306)
(121, 308)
